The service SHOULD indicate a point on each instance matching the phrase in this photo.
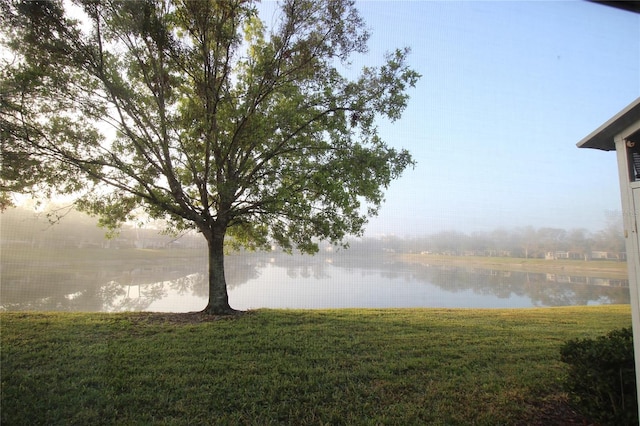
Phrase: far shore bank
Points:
(589, 268)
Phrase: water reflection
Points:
(292, 282)
(540, 288)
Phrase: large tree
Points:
(197, 113)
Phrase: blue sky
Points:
(507, 90)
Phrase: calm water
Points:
(289, 282)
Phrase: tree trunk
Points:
(218, 296)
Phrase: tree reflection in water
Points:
(542, 289)
(108, 286)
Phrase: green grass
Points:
(392, 366)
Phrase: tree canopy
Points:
(197, 113)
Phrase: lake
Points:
(177, 283)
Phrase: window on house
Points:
(633, 145)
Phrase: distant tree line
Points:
(75, 229)
(68, 228)
(525, 242)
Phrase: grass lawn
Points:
(390, 366)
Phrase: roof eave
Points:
(603, 136)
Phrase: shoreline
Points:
(590, 268)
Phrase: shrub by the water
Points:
(601, 378)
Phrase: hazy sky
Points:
(507, 90)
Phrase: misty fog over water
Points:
(71, 267)
(178, 284)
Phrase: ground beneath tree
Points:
(553, 411)
(181, 318)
